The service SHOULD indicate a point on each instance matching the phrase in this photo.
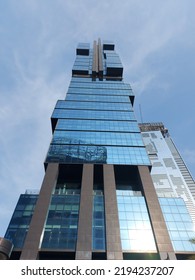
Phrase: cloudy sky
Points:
(155, 40)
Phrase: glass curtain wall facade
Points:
(20, 220)
(97, 199)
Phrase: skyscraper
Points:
(98, 199)
(174, 186)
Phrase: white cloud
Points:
(25, 122)
(141, 84)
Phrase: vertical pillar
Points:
(161, 234)
(6, 248)
(33, 238)
(84, 238)
(95, 59)
(113, 240)
(100, 62)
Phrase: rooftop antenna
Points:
(140, 111)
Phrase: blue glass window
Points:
(98, 115)
(179, 223)
(21, 219)
(62, 222)
(61, 104)
(97, 98)
(98, 234)
(135, 228)
(97, 125)
(100, 91)
(97, 154)
(97, 138)
(112, 85)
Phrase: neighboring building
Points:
(98, 199)
(172, 180)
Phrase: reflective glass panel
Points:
(179, 223)
(81, 153)
(98, 138)
(136, 232)
(98, 228)
(20, 221)
(62, 222)
(97, 125)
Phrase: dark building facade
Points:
(97, 199)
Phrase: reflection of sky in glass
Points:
(88, 114)
(135, 228)
(97, 154)
(62, 222)
(179, 223)
(20, 220)
(77, 153)
(97, 125)
(98, 138)
(61, 104)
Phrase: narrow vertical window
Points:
(98, 211)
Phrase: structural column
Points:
(33, 238)
(95, 60)
(113, 240)
(84, 238)
(100, 62)
(6, 248)
(161, 234)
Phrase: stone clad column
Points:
(33, 238)
(95, 60)
(161, 234)
(6, 248)
(113, 240)
(84, 237)
(100, 61)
